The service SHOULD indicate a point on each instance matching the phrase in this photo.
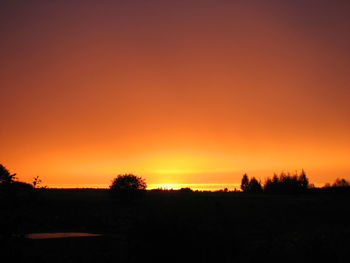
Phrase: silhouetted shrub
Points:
(186, 190)
(127, 186)
(286, 183)
(341, 183)
(36, 181)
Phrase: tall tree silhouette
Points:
(244, 183)
(304, 181)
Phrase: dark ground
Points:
(177, 227)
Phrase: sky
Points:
(177, 92)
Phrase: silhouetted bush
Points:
(341, 183)
(36, 181)
(286, 183)
(186, 190)
(127, 186)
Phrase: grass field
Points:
(178, 227)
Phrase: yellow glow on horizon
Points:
(174, 171)
(165, 186)
(200, 187)
(185, 162)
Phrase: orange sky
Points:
(178, 92)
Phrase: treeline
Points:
(126, 184)
(285, 183)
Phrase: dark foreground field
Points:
(178, 227)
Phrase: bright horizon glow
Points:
(199, 187)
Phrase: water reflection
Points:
(59, 235)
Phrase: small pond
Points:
(60, 235)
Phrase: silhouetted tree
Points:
(244, 183)
(128, 182)
(303, 180)
(250, 186)
(341, 183)
(254, 186)
(127, 186)
(5, 176)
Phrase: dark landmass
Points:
(178, 226)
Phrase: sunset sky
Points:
(178, 92)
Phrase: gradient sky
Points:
(178, 92)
